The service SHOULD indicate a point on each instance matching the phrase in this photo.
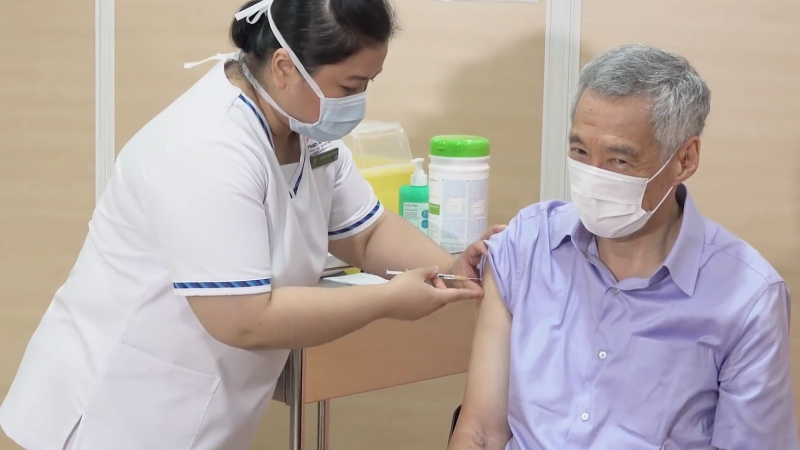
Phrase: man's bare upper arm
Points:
(484, 413)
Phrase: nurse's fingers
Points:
(477, 249)
(473, 286)
(457, 295)
(494, 229)
(438, 283)
(426, 273)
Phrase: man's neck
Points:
(641, 254)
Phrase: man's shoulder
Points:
(548, 213)
(547, 221)
(534, 225)
(526, 242)
(724, 252)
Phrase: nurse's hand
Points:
(417, 293)
(467, 262)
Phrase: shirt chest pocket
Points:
(666, 389)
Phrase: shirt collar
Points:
(683, 261)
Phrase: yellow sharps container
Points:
(383, 156)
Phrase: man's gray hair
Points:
(679, 98)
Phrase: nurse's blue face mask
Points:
(337, 116)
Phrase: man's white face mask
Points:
(610, 204)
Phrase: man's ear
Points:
(689, 159)
(281, 68)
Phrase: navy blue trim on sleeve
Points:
(360, 222)
(222, 284)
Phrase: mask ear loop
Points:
(261, 91)
(662, 200)
(662, 167)
(294, 58)
(252, 15)
(669, 190)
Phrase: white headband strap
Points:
(254, 12)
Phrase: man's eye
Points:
(349, 90)
(619, 162)
(578, 151)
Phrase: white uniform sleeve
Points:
(206, 208)
(355, 206)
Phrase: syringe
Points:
(443, 276)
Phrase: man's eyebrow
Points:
(622, 150)
(619, 149)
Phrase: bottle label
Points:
(458, 209)
(417, 214)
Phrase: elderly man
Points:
(625, 320)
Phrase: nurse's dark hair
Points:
(319, 32)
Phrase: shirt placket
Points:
(581, 432)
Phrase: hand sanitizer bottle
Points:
(414, 198)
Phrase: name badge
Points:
(324, 158)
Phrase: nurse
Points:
(198, 272)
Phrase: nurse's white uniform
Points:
(198, 205)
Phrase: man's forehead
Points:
(613, 111)
(617, 122)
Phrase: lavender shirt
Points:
(694, 357)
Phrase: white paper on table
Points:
(357, 279)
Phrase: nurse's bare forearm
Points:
(395, 244)
(301, 317)
(290, 317)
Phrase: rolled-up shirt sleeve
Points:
(510, 251)
(755, 410)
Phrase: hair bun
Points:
(243, 33)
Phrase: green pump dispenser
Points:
(414, 198)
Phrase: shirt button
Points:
(602, 354)
(614, 291)
(584, 416)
